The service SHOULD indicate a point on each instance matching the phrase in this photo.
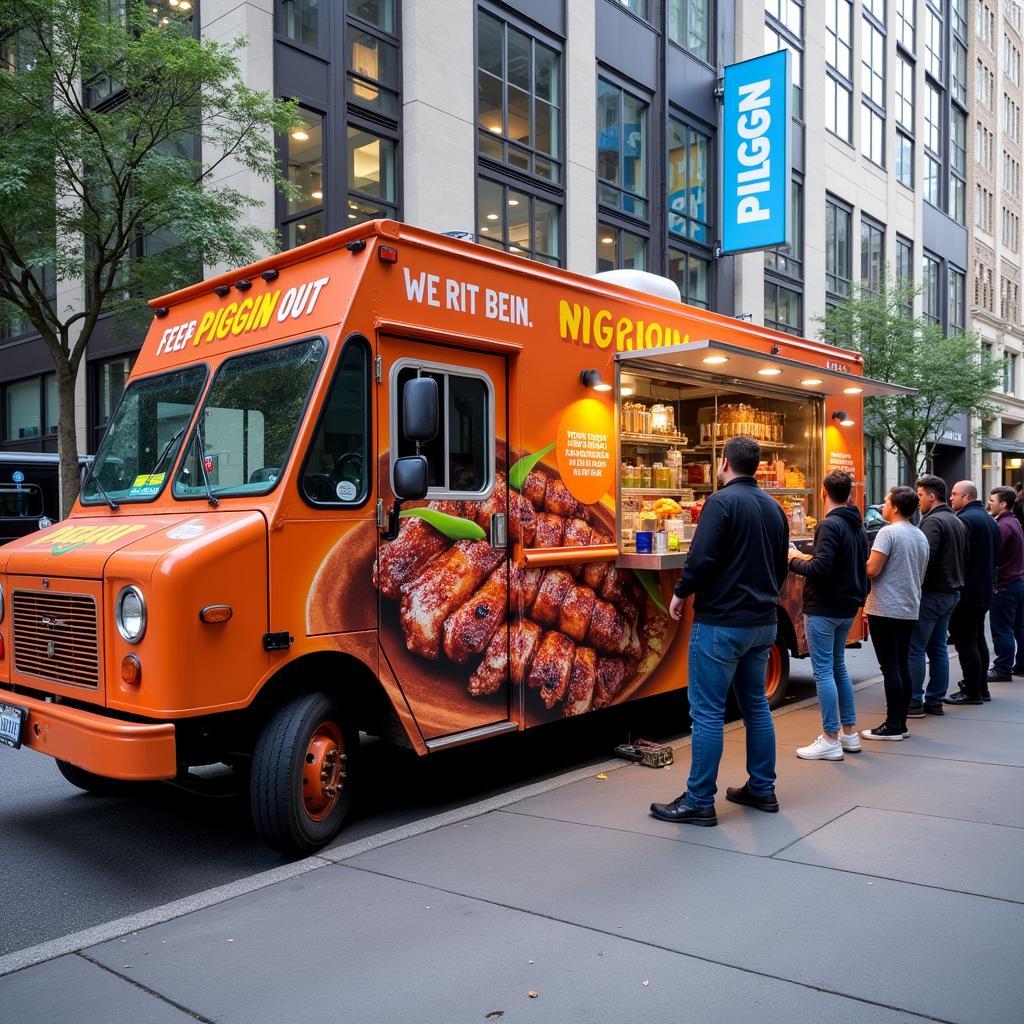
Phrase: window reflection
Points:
(306, 163)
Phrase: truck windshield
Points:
(248, 422)
(144, 435)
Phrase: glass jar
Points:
(645, 476)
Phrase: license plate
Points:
(11, 721)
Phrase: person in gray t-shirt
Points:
(896, 568)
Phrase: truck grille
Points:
(55, 637)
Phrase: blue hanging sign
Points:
(756, 157)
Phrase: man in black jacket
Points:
(836, 585)
(736, 567)
(967, 625)
(943, 580)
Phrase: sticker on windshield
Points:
(187, 531)
(346, 490)
(147, 485)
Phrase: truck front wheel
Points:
(302, 774)
(99, 785)
(777, 675)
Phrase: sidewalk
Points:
(888, 889)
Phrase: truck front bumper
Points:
(105, 746)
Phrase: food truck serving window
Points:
(461, 456)
(337, 469)
(144, 435)
(248, 422)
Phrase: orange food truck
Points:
(396, 482)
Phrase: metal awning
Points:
(732, 362)
(1002, 444)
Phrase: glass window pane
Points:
(634, 172)
(306, 162)
(371, 164)
(490, 196)
(633, 252)
(608, 132)
(468, 428)
(518, 206)
(519, 60)
(607, 248)
(518, 115)
(378, 12)
(21, 410)
(110, 380)
(546, 80)
(545, 128)
(302, 21)
(338, 464)
(306, 229)
(52, 403)
(373, 58)
(489, 103)
(545, 231)
(490, 48)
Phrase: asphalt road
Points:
(72, 860)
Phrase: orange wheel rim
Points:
(323, 771)
(774, 672)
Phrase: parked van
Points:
(398, 482)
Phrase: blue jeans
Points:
(720, 656)
(1007, 620)
(826, 639)
(929, 637)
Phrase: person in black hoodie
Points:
(967, 626)
(836, 584)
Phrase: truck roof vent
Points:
(641, 281)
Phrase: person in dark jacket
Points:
(943, 581)
(736, 566)
(1008, 605)
(967, 626)
(836, 583)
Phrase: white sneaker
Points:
(822, 749)
(851, 742)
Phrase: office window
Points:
(872, 256)
(518, 99)
(905, 24)
(619, 249)
(379, 13)
(373, 70)
(638, 7)
(838, 242)
(933, 145)
(958, 83)
(1010, 373)
(31, 413)
(958, 166)
(783, 307)
(372, 185)
(517, 222)
(872, 82)
(108, 378)
(958, 16)
(783, 30)
(956, 286)
(689, 179)
(905, 273)
(692, 274)
(838, 51)
(304, 154)
(621, 150)
(689, 26)
(789, 261)
(931, 308)
(933, 43)
(1011, 61)
(299, 20)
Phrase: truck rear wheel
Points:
(302, 774)
(777, 675)
(99, 785)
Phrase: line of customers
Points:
(916, 584)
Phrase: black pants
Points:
(967, 627)
(891, 640)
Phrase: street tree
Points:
(119, 128)
(951, 373)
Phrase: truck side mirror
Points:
(410, 484)
(420, 410)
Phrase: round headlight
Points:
(130, 614)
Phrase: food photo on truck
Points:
(399, 483)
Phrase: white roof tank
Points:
(641, 281)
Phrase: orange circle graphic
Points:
(585, 450)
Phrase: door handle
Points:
(499, 530)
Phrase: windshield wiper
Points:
(167, 447)
(201, 449)
(111, 504)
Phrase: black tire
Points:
(778, 670)
(99, 785)
(277, 795)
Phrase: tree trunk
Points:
(67, 436)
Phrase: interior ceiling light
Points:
(513, 202)
(715, 360)
(811, 382)
(769, 371)
(852, 391)
(300, 136)
(316, 194)
(607, 241)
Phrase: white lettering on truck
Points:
(753, 151)
(461, 297)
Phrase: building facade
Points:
(585, 134)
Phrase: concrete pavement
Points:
(889, 888)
